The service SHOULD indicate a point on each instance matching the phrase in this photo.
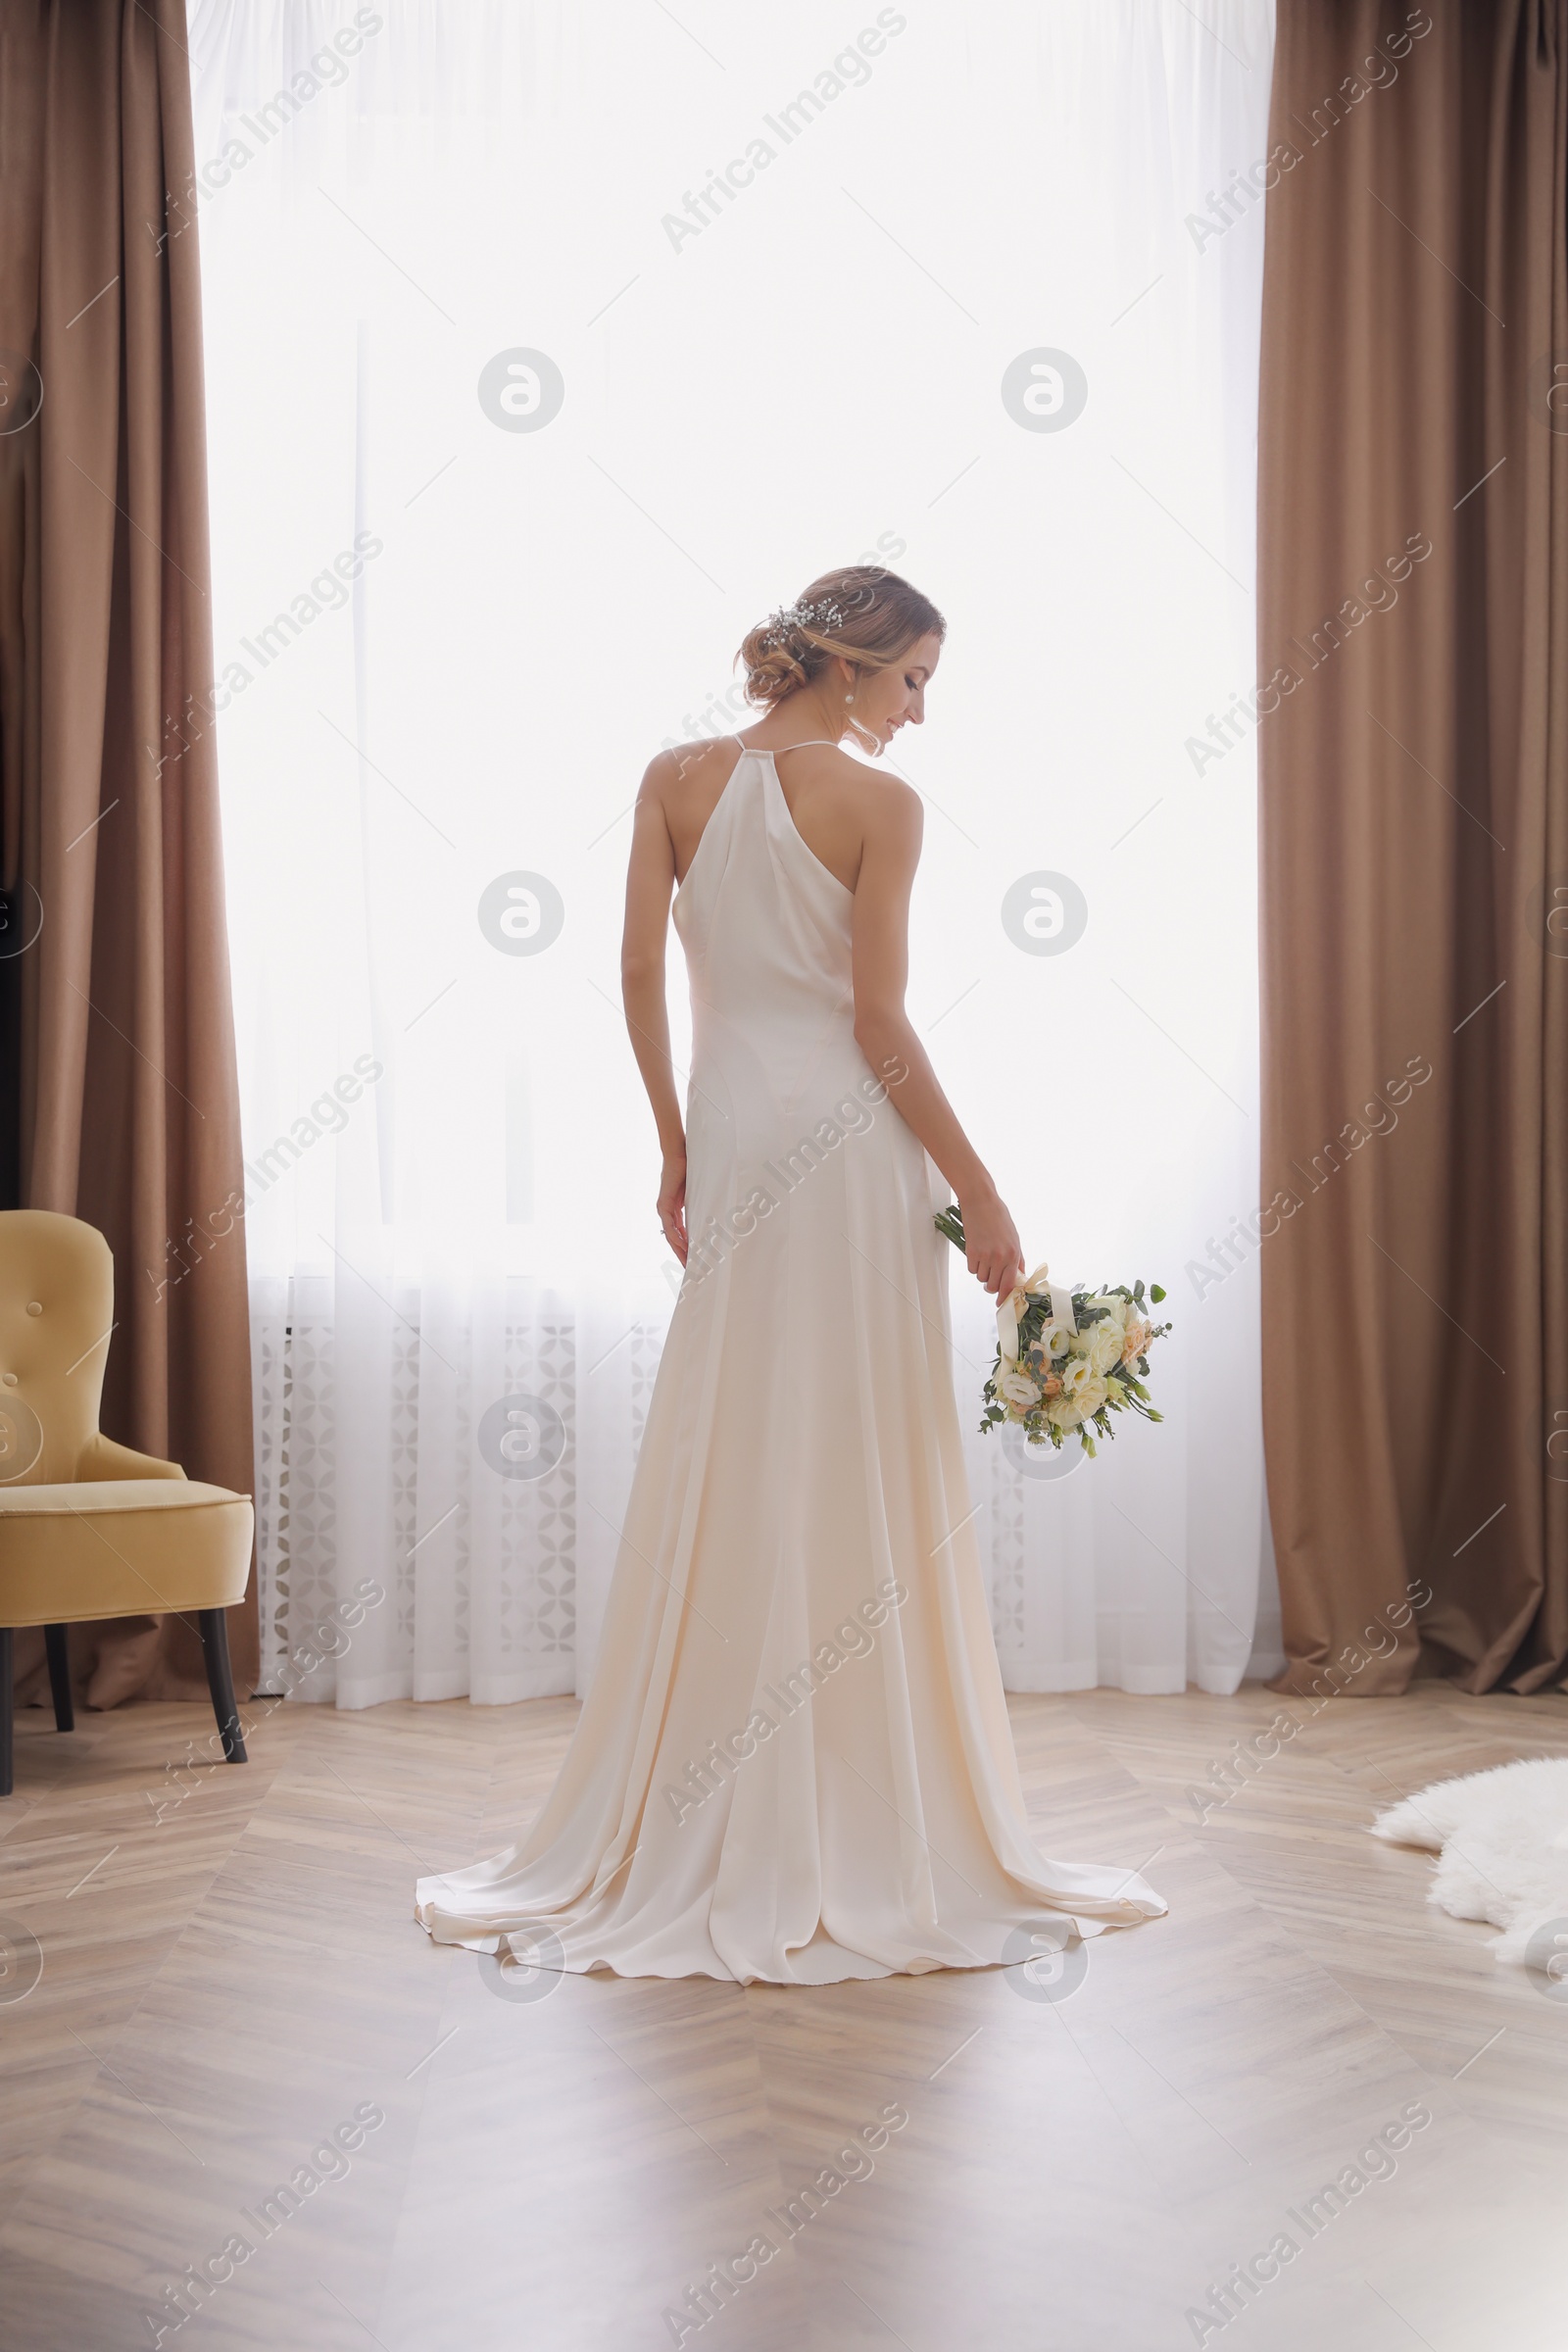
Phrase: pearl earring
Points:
(849, 697)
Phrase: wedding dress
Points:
(794, 1762)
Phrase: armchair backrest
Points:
(57, 1305)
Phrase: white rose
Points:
(1091, 1397)
(1106, 1346)
(1062, 1414)
(1116, 1307)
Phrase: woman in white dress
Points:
(794, 1762)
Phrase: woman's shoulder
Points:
(674, 759)
(883, 803)
(831, 763)
(673, 763)
(887, 800)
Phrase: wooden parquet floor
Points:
(231, 1973)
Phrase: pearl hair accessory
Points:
(824, 615)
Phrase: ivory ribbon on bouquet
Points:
(1037, 1285)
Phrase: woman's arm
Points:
(650, 880)
(885, 1036)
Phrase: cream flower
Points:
(1091, 1397)
(1058, 1338)
(1062, 1413)
(1137, 1340)
(1077, 1377)
(1015, 1388)
(1105, 1348)
(1115, 1304)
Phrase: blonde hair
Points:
(865, 614)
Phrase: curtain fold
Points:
(127, 1110)
(1414, 644)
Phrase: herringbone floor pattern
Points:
(231, 1973)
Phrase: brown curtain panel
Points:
(119, 1036)
(1413, 739)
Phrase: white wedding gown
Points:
(794, 1762)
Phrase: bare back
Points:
(836, 803)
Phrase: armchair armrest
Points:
(102, 1457)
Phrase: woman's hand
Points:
(993, 1253)
(672, 1200)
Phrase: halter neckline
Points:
(761, 751)
(811, 743)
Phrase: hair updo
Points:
(866, 614)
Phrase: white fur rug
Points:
(1502, 1837)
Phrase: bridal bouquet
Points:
(1067, 1359)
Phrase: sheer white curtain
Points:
(547, 350)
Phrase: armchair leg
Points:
(5, 1710)
(221, 1682)
(55, 1641)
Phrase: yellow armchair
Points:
(88, 1527)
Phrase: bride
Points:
(794, 1762)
